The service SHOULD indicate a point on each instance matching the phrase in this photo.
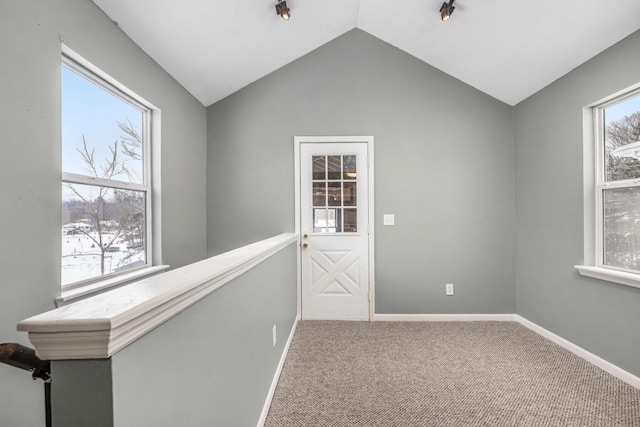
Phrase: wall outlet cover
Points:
(389, 219)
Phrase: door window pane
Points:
(334, 167)
(349, 167)
(319, 193)
(334, 193)
(350, 196)
(335, 221)
(350, 220)
(318, 167)
(319, 220)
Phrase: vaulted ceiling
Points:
(508, 49)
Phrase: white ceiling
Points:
(508, 49)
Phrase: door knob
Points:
(305, 244)
(305, 235)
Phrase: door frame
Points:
(298, 141)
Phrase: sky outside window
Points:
(623, 109)
(90, 111)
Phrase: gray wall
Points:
(82, 393)
(212, 365)
(443, 166)
(599, 316)
(30, 169)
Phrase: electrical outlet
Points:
(275, 335)
(449, 288)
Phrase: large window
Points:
(618, 183)
(106, 193)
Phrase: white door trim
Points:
(298, 140)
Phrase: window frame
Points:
(602, 184)
(86, 287)
(595, 185)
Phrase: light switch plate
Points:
(389, 219)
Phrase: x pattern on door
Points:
(335, 273)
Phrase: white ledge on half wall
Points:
(99, 326)
(610, 275)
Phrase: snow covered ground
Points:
(81, 257)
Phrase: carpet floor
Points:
(442, 374)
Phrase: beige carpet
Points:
(442, 374)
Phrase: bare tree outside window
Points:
(621, 133)
(115, 216)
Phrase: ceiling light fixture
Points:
(283, 10)
(446, 10)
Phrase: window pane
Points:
(335, 194)
(318, 167)
(622, 228)
(334, 167)
(319, 193)
(101, 133)
(103, 231)
(349, 167)
(350, 220)
(350, 196)
(335, 220)
(319, 220)
(622, 140)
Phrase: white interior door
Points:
(335, 231)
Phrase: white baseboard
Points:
(443, 317)
(609, 367)
(276, 377)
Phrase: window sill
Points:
(71, 295)
(610, 275)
